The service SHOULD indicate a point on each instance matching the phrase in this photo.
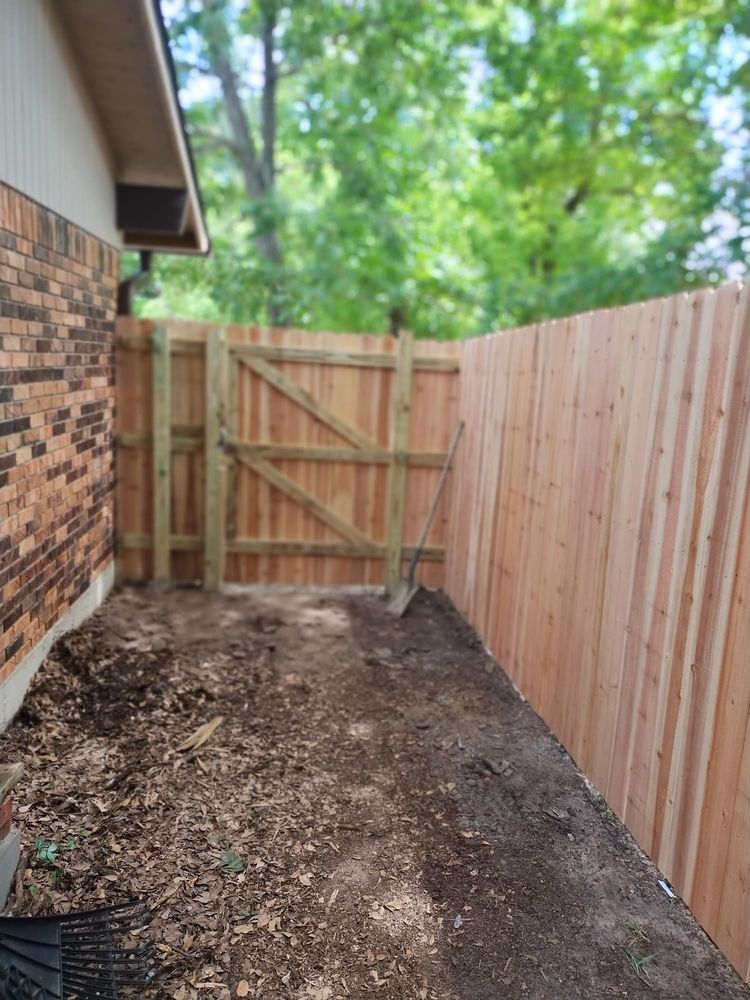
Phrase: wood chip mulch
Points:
(318, 804)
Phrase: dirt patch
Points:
(379, 812)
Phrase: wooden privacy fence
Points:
(248, 454)
(600, 543)
(598, 537)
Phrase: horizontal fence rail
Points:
(600, 543)
(247, 454)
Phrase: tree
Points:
(597, 137)
(468, 164)
(251, 144)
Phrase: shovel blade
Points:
(401, 598)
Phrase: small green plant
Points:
(637, 949)
(56, 875)
(231, 862)
(605, 812)
(47, 851)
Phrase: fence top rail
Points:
(554, 324)
(287, 344)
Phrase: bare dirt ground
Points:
(379, 814)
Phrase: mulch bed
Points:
(378, 813)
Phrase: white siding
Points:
(51, 146)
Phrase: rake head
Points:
(97, 955)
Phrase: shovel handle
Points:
(435, 501)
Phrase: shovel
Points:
(407, 588)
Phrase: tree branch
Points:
(214, 138)
(257, 167)
(219, 47)
(578, 197)
(268, 99)
(194, 66)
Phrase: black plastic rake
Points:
(95, 955)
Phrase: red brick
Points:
(54, 538)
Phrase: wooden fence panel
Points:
(597, 528)
(600, 543)
(134, 466)
(308, 420)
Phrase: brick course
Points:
(58, 295)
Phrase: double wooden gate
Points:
(248, 454)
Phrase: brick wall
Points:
(58, 290)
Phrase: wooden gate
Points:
(248, 454)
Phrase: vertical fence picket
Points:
(400, 447)
(215, 510)
(160, 384)
(232, 421)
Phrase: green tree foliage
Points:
(469, 165)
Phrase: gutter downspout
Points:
(127, 288)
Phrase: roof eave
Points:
(122, 52)
(167, 71)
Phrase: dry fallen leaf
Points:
(201, 735)
(319, 993)
(269, 785)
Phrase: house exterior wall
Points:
(58, 292)
(51, 145)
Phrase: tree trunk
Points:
(258, 167)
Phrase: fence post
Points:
(232, 431)
(215, 510)
(162, 446)
(399, 455)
